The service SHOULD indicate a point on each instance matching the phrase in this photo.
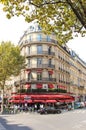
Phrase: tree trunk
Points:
(2, 104)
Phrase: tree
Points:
(11, 63)
(63, 17)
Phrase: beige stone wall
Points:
(45, 61)
(45, 74)
(33, 49)
(34, 62)
(45, 47)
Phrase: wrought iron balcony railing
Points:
(40, 53)
(40, 40)
(41, 80)
(23, 81)
(40, 66)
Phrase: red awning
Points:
(42, 101)
(28, 71)
(50, 101)
(50, 86)
(38, 86)
(59, 86)
(62, 87)
(59, 97)
(16, 101)
(51, 96)
(66, 100)
(20, 101)
(50, 71)
(29, 101)
(39, 71)
(27, 86)
(61, 101)
(17, 96)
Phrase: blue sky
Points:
(13, 29)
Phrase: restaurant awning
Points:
(50, 86)
(16, 101)
(43, 96)
(41, 101)
(20, 101)
(50, 101)
(38, 86)
(29, 101)
(51, 96)
(66, 100)
(17, 96)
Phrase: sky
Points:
(13, 29)
(78, 44)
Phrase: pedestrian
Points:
(35, 107)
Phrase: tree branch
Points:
(46, 3)
(83, 7)
(77, 13)
(75, 9)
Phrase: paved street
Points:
(72, 120)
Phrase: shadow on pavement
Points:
(11, 126)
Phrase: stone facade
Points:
(50, 66)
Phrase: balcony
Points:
(19, 82)
(40, 66)
(41, 80)
(34, 40)
(81, 87)
(41, 53)
(23, 81)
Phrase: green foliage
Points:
(63, 17)
(11, 62)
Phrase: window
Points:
(48, 39)
(29, 76)
(49, 50)
(50, 76)
(28, 62)
(28, 50)
(39, 62)
(39, 37)
(30, 38)
(39, 28)
(39, 49)
(49, 61)
(39, 76)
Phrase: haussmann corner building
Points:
(53, 73)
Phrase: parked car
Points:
(79, 105)
(49, 110)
